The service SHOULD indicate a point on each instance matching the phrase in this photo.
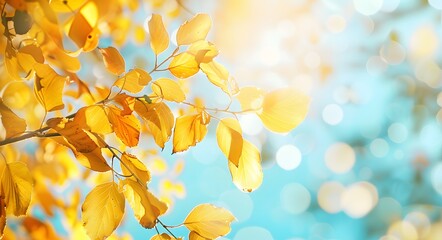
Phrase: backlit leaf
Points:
(168, 90)
(82, 28)
(159, 38)
(49, 87)
(195, 236)
(113, 60)
(209, 221)
(203, 51)
(93, 160)
(126, 127)
(189, 130)
(147, 208)
(2, 217)
(229, 138)
(163, 236)
(16, 187)
(131, 165)
(66, 5)
(94, 119)
(102, 210)
(12, 123)
(159, 119)
(184, 65)
(38, 229)
(218, 76)
(248, 175)
(194, 29)
(250, 98)
(134, 81)
(284, 109)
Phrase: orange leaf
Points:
(126, 127)
(113, 60)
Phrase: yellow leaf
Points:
(134, 81)
(194, 29)
(94, 119)
(250, 98)
(184, 65)
(66, 6)
(93, 160)
(2, 217)
(131, 165)
(113, 60)
(159, 38)
(82, 28)
(49, 87)
(189, 130)
(248, 175)
(126, 127)
(102, 210)
(168, 90)
(209, 221)
(163, 236)
(195, 236)
(38, 229)
(147, 208)
(16, 187)
(229, 138)
(219, 76)
(12, 123)
(284, 109)
(203, 51)
(159, 119)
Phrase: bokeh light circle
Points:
(359, 199)
(367, 7)
(332, 114)
(397, 132)
(340, 157)
(295, 198)
(329, 196)
(256, 233)
(392, 52)
(288, 157)
(379, 147)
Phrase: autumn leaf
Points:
(93, 160)
(130, 165)
(102, 210)
(16, 187)
(164, 236)
(283, 109)
(66, 6)
(82, 28)
(194, 29)
(219, 76)
(195, 236)
(250, 98)
(126, 127)
(147, 208)
(184, 65)
(209, 221)
(247, 176)
(134, 81)
(159, 38)
(38, 229)
(12, 123)
(113, 61)
(230, 140)
(2, 216)
(159, 118)
(189, 130)
(203, 51)
(49, 87)
(94, 119)
(168, 90)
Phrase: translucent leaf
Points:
(134, 166)
(66, 5)
(248, 175)
(195, 236)
(147, 208)
(284, 109)
(159, 38)
(193, 30)
(49, 87)
(168, 90)
(184, 65)
(217, 75)
(126, 127)
(82, 28)
(159, 119)
(2, 217)
(12, 123)
(203, 51)
(94, 119)
(102, 210)
(16, 187)
(229, 138)
(250, 98)
(93, 160)
(163, 236)
(189, 130)
(134, 81)
(113, 60)
(209, 221)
